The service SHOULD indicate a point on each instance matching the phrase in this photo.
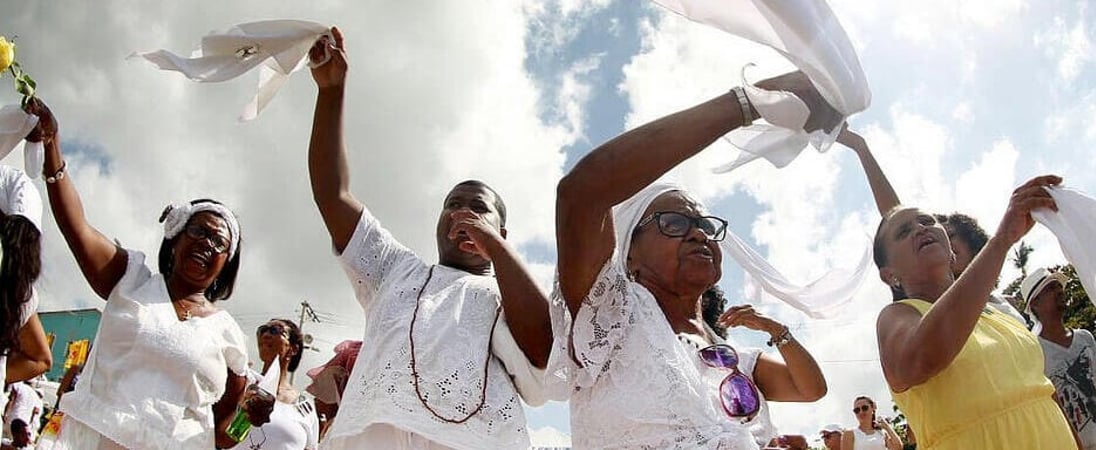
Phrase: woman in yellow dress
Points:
(966, 375)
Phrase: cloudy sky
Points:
(969, 100)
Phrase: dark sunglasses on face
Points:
(197, 232)
(861, 408)
(675, 224)
(273, 328)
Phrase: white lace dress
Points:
(151, 380)
(380, 408)
(640, 386)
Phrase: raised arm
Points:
(885, 197)
(327, 166)
(621, 167)
(913, 349)
(796, 378)
(100, 260)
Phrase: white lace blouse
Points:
(451, 346)
(639, 386)
(151, 380)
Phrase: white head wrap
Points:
(19, 197)
(177, 216)
(820, 298)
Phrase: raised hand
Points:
(823, 116)
(852, 140)
(1029, 196)
(747, 316)
(46, 130)
(328, 56)
(473, 233)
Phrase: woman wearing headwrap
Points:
(167, 366)
(24, 352)
(966, 375)
(635, 258)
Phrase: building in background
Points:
(70, 334)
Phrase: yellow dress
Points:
(993, 395)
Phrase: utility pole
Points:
(306, 313)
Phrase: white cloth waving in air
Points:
(807, 33)
(281, 46)
(15, 124)
(1074, 224)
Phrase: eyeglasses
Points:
(197, 232)
(675, 224)
(860, 409)
(738, 395)
(273, 328)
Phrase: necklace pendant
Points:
(186, 315)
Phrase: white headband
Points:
(176, 217)
(19, 197)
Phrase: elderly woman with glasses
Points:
(635, 259)
(167, 366)
(966, 375)
(293, 423)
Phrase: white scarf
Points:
(809, 35)
(281, 46)
(818, 299)
(15, 124)
(1075, 227)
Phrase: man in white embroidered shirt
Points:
(447, 347)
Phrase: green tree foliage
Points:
(1080, 313)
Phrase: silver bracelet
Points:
(781, 339)
(744, 104)
(59, 175)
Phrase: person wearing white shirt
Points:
(25, 404)
(293, 423)
(448, 347)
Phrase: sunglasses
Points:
(276, 329)
(675, 224)
(738, 395)
(860, 409)
(197, 232)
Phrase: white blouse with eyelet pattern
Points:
(451, 345)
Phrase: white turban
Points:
(818, 299)
(176, 217)
(19, 197)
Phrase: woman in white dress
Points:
(871, 433)
(635, 258)
(24, 351)
(167, 366)
(293, 423)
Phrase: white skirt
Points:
(74, 435)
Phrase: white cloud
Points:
(962, 113)
(548, 437)
(931, 21)
(1069, 45)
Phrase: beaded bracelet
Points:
(57, 176)
(781, 340)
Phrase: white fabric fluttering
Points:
(1075, 227)
(19, 197)
(808, 34)
(177, 216)
(14, 126)
(281, 46)
(821, 298)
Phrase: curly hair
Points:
(19, 269)
(712, 304)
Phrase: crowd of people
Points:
(634, 335)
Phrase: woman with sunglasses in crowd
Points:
(167, 366)
(293, 424)
(635, 258)
(871, 433)
(966, 375)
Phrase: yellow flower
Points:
(7, 54)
